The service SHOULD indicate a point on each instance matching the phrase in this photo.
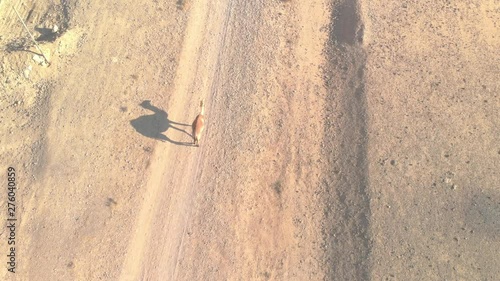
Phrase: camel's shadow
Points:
(155, 125)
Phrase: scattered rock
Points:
(40, 60)
(27, 71)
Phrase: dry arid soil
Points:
(344, 140)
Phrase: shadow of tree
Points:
(155, 125)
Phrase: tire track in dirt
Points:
(346, 183)
(168, 205)
(215, 85)
(212, 85)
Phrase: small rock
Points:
(454, 186)
(39, 60)
(27, 71)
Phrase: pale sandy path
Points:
(161, 226)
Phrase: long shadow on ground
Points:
(155, 125)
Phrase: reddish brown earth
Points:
(344, 140)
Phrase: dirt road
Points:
(345, 140)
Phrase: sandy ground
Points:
(345, 140)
